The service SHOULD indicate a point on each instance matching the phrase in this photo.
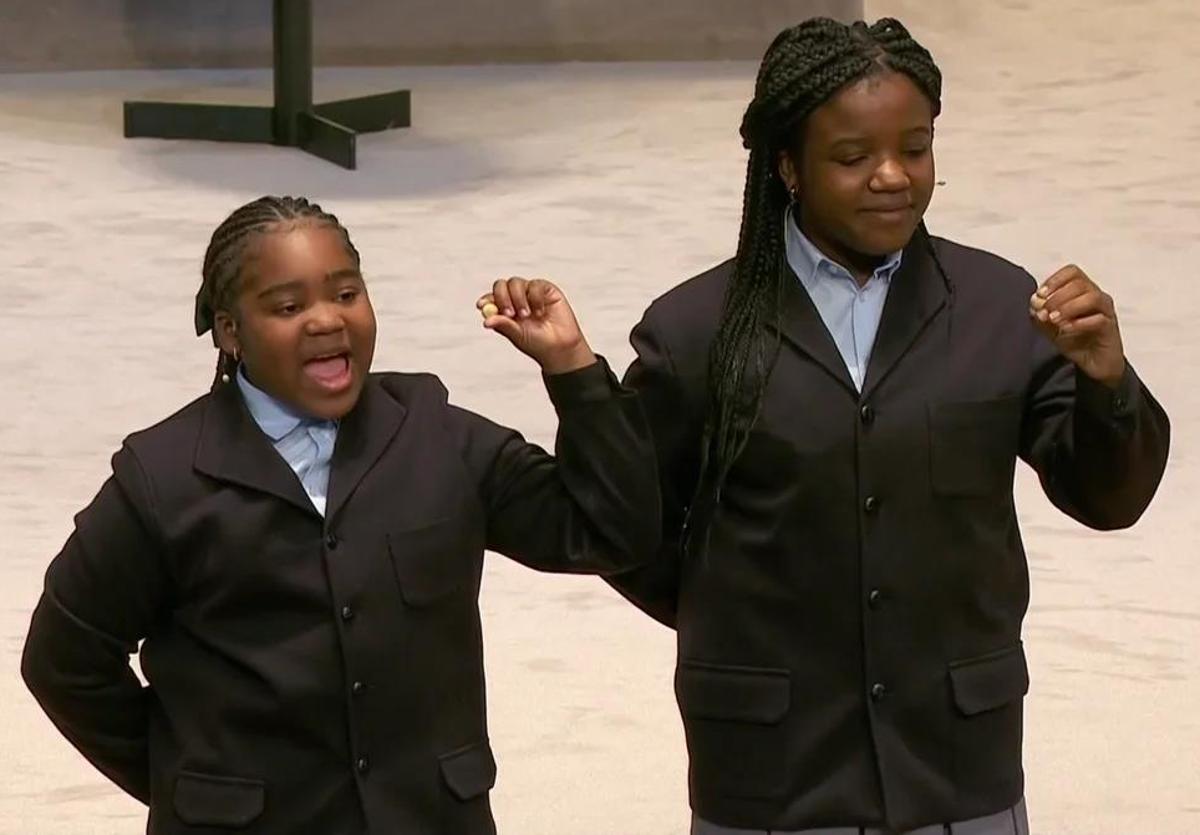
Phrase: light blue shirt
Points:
(851, 313)
(306, 444)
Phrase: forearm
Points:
(1106, 457)
(82, 680)
(594, 507)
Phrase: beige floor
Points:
(1070, 133)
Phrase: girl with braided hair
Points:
(300, 553)
(837, 413)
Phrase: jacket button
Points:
(363, 765)
(331, 542)
(871, 504)
(347, 613)
(875, 598)
(358, 688)
(878, 691)
(867, 414)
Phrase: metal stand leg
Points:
(328, 140)
(218, 122)
(370, 113)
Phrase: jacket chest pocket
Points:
(436, 561)
(973, 446)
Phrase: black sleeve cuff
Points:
(593, 384)
(1117, 405)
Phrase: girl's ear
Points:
(225, 330)
(787, 172)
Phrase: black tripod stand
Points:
(327, 130)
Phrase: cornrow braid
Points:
(803, 68)
(226, 255)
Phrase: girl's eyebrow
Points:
(281, 287)
(298, 284)
(852, 140)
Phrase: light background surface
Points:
(1070, 133)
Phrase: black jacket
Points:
(850, 646)
(322, 675)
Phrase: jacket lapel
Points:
(914, 299)
(232, 448)
(363, 435)
(802, 326)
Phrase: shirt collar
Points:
(273, 417)
(809, 263)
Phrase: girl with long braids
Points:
(837, 413)
(299, 552)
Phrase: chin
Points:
(883, 243)
(341, 406)
(333, 406)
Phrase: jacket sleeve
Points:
(1100, 453)
(593, 507)
(675, 422)
(102, 594)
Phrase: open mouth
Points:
(330, 372)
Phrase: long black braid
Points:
(226, 254)
(803, 68)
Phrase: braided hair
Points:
(804, 67)
(226, 255)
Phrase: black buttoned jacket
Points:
(849, 644)
(322, 675)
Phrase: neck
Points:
(860, 265)
(283, 404)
